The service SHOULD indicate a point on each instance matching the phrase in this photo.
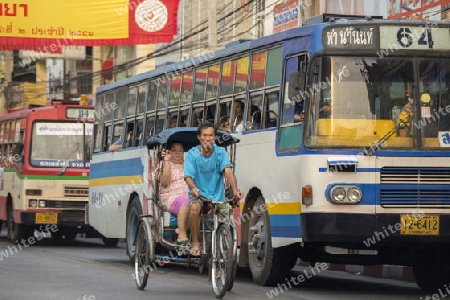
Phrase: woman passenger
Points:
(174, 190)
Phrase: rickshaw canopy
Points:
(187, 136)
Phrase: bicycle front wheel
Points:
(222, 260)
(142, 257)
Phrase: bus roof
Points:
(237, 47)
(23, 113)
(233, 48)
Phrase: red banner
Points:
(86, 23)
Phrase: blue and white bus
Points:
(344, 134)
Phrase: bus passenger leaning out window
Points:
(174, 190)
(118, 144)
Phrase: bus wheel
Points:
(431, 270)
(110, 242)
(133, 213)
(267, 265)
(17, 232)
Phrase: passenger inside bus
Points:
(174, 121)
(238, 125)
(256, 120)
(299, 113)
(324, 109)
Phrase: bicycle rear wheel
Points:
(233, 275)
(142, 258)
(222, 261)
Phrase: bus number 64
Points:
(405, 37)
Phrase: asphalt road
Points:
(85, 269)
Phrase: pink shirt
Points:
(176, 187)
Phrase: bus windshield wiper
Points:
(67, 160)
(370, 150)
(404, 120)
(61, 172)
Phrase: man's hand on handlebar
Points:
(237, 194)
(196, 192)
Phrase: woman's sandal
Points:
(194, 252)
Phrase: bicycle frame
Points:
(229, 221)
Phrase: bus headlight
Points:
(354, 194)
(345, 194)
(32, 203)
(338, 194)
(42, 203)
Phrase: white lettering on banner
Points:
(63, 128)
(285, 16)
(350, 36)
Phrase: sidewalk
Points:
(379, 271)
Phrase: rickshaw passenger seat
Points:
(170, 220)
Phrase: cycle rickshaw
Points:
(155, 236)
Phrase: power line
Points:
(132, 63)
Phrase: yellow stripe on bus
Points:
(118, 180)
(276, 208)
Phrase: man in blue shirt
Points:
(205, 167)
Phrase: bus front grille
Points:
(76, 191)
(62, 204)
(410, 186)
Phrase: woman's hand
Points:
(166, 155)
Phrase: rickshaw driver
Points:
(205, 167)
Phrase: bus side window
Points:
(197, 116)
(254, 114)
(210, 112)
(106, 138)
(134, 134)
(272, 110)
(288, 107)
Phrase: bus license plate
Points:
(414, 225)
(46, 218)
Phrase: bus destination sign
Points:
(414, 37)
(351, 37)
(393, 37)
(80, 113)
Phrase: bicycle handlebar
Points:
(233, 201)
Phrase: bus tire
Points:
(17, 232)
(133, 213)
(431, 270)
(267, 265)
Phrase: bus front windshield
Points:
(60, 144)
(360, 101)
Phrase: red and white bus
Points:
(44, 170)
